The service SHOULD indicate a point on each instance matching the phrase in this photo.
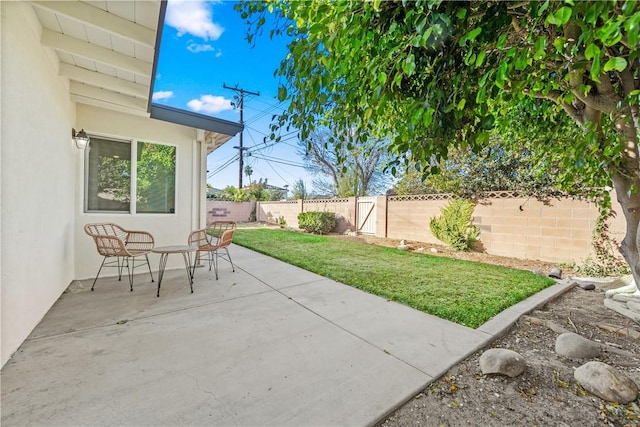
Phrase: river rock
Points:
(502, 361)
(576, 346)
(606, 382)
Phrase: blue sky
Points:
(203, 47)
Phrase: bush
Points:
(454, 226)
(317, 222)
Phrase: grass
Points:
(464, 292)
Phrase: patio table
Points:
(164, 252)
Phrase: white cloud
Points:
(210, 104)
(162, 94)
(197, 48)
(193, 17)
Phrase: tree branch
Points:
(573, 112)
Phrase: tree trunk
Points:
(630, 202)
(627, 185)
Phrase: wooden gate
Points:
(366, 215)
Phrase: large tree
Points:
(434, 72)
(352, 168)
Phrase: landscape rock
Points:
(587, 286)
(555, 273)
(606, 382)
(434, 250)
(502, 361)
(576, 346)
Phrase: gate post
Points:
(381, 216)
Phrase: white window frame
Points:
(133, 187)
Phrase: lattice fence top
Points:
(479, 196)
(284, 202)
(321, 201)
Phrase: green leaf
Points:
(487, 122)
(427, 117)
(591, 51)
(382, 78)
(282, 93)
(461, 104)
(480, 59)
(471, 35)
(523, 60)
(460, 14)
(595, 69)
(632, 27)
(617, 63)
(552, 20)
(563, 14)
(559, 43)
(409, 65)
(502, 40)
(482, 138)
(540, 44)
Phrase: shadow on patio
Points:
(270, 344)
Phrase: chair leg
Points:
(130, 272)
(99, 270)
(214, 256)
(233, 268)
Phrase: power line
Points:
(279, 160)
(223, 166)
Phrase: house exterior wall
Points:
(43, 247)
(37, 166)
(167, 229)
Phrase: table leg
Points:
(187, 265)
(163, 264)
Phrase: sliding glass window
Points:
(109, 170)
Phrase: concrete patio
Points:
(270, 344)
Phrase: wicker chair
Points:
(114, 241)
(217, 236)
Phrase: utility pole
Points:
(240, 105)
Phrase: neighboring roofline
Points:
(194, 120)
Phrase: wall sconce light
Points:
(81, 138)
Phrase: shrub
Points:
(281, 221)
(317, 222)
(454, 226)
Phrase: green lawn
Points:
(464, 292)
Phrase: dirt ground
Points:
(546, 394)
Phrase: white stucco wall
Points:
(43, 247)
(37, 163)
(167, 229)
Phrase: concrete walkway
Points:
(270, 344)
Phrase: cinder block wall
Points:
(559, 230)
(218, 210)
(271, 211)
(345, 210)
